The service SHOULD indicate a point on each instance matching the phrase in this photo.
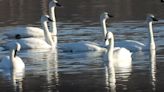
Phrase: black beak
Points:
(57, 4)
(155, 19)
(110, 15)
(50, 20)
(15, 53)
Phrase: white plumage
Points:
(36, 43)
(120, 57)
(12, 61)
(133, 45)
(86, 45)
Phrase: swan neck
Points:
(110, 51)
(53, 28)
(104, 30)
(12, 56)
(151, 36)
(47, 35)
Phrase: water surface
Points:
(78, 20)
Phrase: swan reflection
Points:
(43, 63)
(115, 73)
(110, 78)
(15, 78)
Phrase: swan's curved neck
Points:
(104, 29)
(53, 28)
(110, 51)
(12, 56)
(47, 35)
(151, 41)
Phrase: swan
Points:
(133, 45)
(25, 32)
(120, 57)
(35, 43)
(12, 61)
(86, 45)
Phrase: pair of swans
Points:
(13, 62)
(35, 43)
(25, 32)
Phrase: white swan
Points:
(34, 31)
(86, 45)
(138, 46)
(36, 43)
(13, 62)
(120, 57)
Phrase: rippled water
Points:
(56, 71)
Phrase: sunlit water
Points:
(56, 71)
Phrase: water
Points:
(55, 71)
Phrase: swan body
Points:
(36, 43)
(120, 57)
(26, 32)
(13, 62)
(81, 47)
(30, 43)
(131, 45)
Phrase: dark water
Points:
(55, 71)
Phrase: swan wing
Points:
(130, 45)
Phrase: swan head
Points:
(45, 18)
(105, 15)
(54, 3)
(15, 46)
(151, 18)
(109, 36)
(17, 36)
